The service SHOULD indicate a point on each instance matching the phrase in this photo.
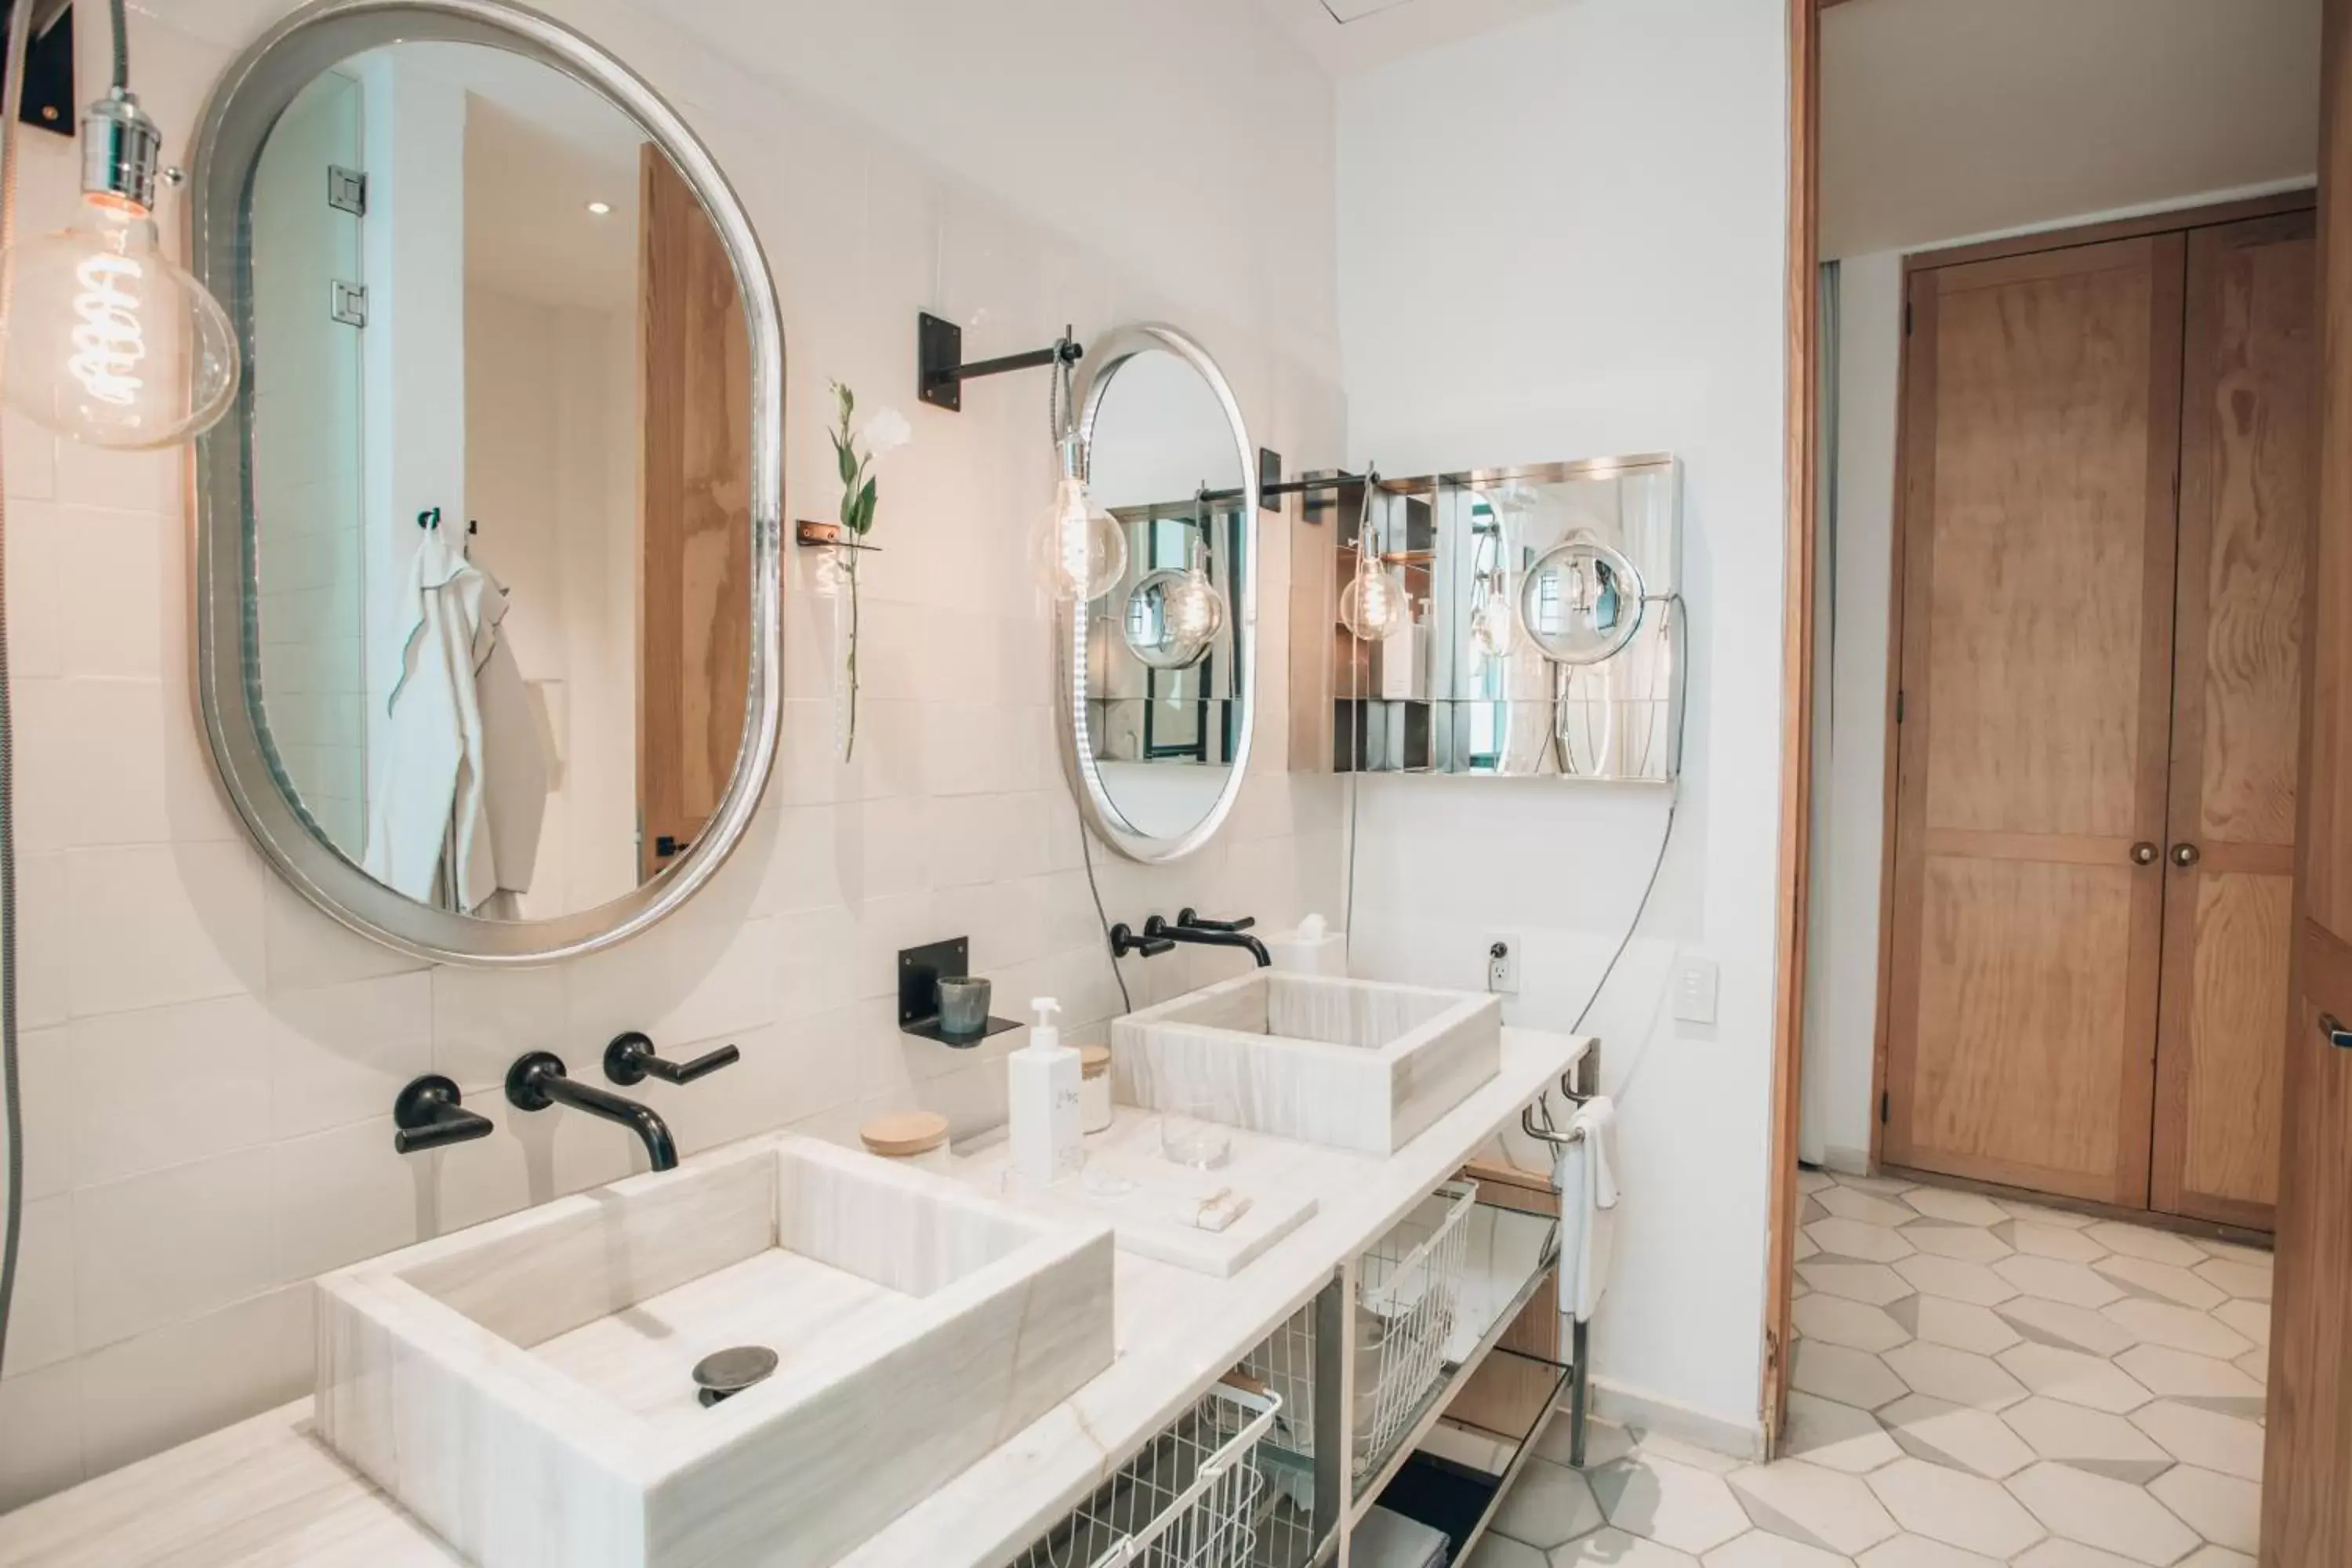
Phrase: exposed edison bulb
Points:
(110, 343)
(1195, 610)
(1374, 605)
(1079, 550)
(1490, 623)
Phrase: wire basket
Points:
(1408, 1293)
(1190, 1498)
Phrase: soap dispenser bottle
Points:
(1044, 1091)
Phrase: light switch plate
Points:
(1695, 985)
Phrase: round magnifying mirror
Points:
(1582, 602)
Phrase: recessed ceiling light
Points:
(600, 208)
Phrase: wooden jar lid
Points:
(1092, 1061)
(905, 1132)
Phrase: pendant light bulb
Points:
(1080, 551)
(109, 342)
(1195, 610)
(1374, 605)
(1490, 623)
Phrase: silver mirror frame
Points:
(244, 106)
(1102, 816)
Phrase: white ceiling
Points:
(1349, 36)
(1949, 119)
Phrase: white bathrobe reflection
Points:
(460, 784)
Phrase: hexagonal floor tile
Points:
(1859, 1240)
(1619, 1550)
(1848, 1376)
(2169, 1374)
(1969, 1242)
(1835, 1437)
(2206, 1438)
(1549, 1505)
(2155, 1246)
(2052, 1281)
(1814, 1179)
(2224, 1509)
(2236, 1278)
(2056, 1554)
(2256, 1365)
(1762, 1549)
(2162, 1324)
(1960, 1208)
(1953, 1436)
(2074, 1377)
(1885, 1186)
(2251, 1318)
(2113, 1516)
(1942, 1321)
(1955, 1280)
(1855, 1324)
(2067, 1328)
(1958, 1509)
(1605, 1442)
(2141, 1278)
(1672, 1504)
(1817, 1507)
(1957, 1377)
(1871, 1282)
(2216, 1557)
(1500, 1551)
(2052, 1241)
(1846, 1203)
(2088, 1439)
(2042, 1214)
(1919, 1551)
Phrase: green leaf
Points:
(866, 499)
(847, 456)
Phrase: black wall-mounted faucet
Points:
(1190, 928)
(1123, 941)
(537, 1080)
(429, 1114)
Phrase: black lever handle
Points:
(2336, 1034)
(1191, 917)
(1123, 941)
(428, 1115)
(630, 1058)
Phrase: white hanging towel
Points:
(428, 822)
(1585, 1170)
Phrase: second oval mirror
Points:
(1159, 672)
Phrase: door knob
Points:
(2145, 854)
(2184, 854)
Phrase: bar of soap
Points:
(1218, 1210)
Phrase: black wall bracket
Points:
(941, 371)
(920, 970)
(49, 101)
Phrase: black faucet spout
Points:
(538, 1081)
(1157, 928)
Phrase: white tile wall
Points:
(209, 1064)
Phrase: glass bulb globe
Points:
(110, 343)
(1490, 622)
(1195, 610)
(1374, 605)
(1078, 549)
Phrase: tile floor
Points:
(1978, 1382)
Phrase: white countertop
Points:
(268, 1492)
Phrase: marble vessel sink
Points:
(525, 1387)
(1353, 1064)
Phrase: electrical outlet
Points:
(1503, 965)
(1695, 985)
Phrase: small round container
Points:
(1094, 1089)
(918, 1138)
(963, 1005)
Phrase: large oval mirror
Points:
(1160, 673)
(487, 549)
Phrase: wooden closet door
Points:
(2042, 424)
(2248, 473)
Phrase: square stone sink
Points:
(527, 1387)
(1352, 1064)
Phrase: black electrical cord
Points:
(1086, 854)
(121, 47)
(12, 90)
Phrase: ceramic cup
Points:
(963, 1005)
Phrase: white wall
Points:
(209, 1065)
(1609, 278)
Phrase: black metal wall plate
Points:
(939, 354)
(49, 101)
(920, 970)
(1269, 474)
